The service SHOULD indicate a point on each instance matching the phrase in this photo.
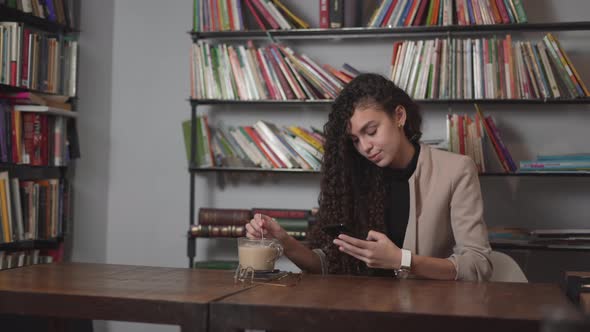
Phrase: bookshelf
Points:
(302, 35)
(361, 32)
(55, 32)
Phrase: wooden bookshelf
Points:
(363, 32)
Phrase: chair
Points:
(505, 268)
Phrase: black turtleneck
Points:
(397, 207)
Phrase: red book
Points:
(44, 140)
(25, 59)
(263, 147)
(411, 14)
(273, 94)
(503, 13)
(256, 17)
(388, 14)
(289, 76)
(492, 138)
(495, 12)
(230, 14)
(461, 132)
(421, 13)
(324, 14)
(267, 16)
(282, 80)
(283, 213)
(211, 216)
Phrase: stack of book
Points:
(564, 163)
(37, 60)
(550, 238)
(475, 137)
(485, 68)
(262, 145)
(20, 258)
(229, 15)
(273, 72)
(231, 222)
(29, 137)
(33, 209)
(399, 13)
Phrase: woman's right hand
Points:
(263, 224)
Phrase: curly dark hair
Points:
(353, 190)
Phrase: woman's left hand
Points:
(378, 251)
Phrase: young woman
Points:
(417, 210)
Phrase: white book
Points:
(248, 78)
(415, 67)
(273, 91)
(251, 66)
(228, 77)
(548, 70)
(273, 142)
(254, 153)
(45, 109)
(407, 64)
(270, 7)
(469, 68)
(275, 79)
(395, 15)
(309, 95)
(396, 63)
(309, 159)
(240, 140)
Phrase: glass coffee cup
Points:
(258, 254)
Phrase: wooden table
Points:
(584, 295)
(382, 304)
(115, 292)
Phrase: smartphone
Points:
(336, 229)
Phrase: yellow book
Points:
(298, 21)
(569, 63)
(18, 128)
(308, 138)
(568, 68)
(6, 224)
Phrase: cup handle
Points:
(278, 252)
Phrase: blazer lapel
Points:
(411, 239)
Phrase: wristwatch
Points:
(404, 270)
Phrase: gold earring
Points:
(399, 125)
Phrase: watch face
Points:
(402, 273)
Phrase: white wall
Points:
(133, 185)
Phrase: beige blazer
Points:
(446, 214)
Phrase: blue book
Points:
(50, 10)
(470, 11)
(404, 14)
(565, 157)
(384, 9)
(510, 14)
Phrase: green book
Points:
(196, 14)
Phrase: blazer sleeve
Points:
(471, 254)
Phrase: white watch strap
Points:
(406, 259)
